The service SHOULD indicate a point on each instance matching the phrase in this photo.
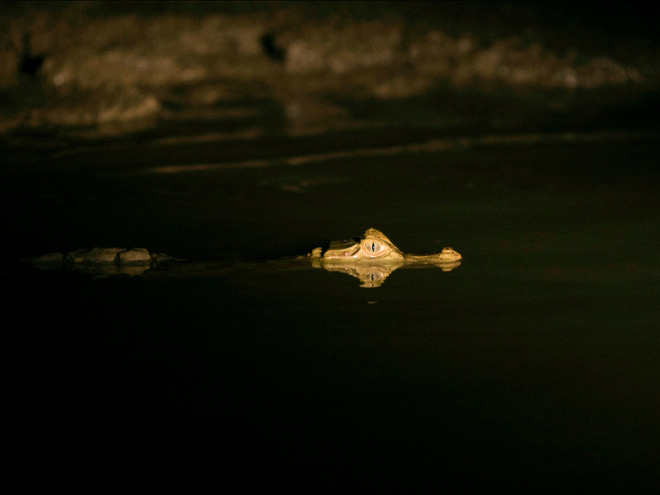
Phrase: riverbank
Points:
(94, 69)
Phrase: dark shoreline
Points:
(108, 69)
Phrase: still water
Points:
(534, 364)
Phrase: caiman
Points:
(370, 258)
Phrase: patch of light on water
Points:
(430, 146)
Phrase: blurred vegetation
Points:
(121, 66)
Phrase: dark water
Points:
(533, 365)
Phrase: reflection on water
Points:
(374, 274)
(431, 146)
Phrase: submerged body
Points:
(370, 258)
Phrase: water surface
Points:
(534, 364)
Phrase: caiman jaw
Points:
(341, 250)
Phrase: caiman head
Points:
(373, 257)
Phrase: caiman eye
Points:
(374, 248)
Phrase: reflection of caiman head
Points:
(372, 258)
